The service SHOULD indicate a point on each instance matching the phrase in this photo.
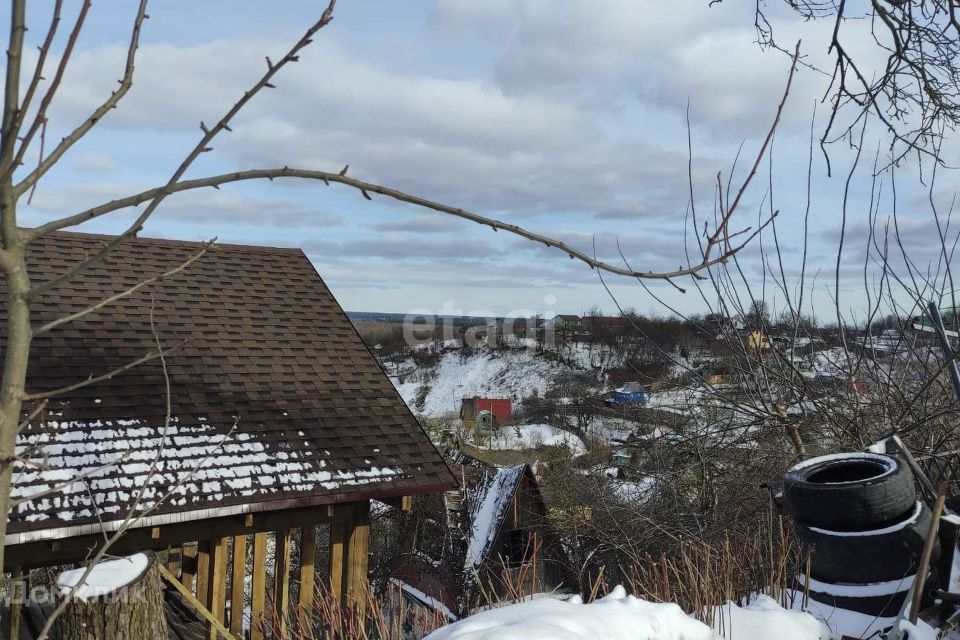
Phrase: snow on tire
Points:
(869, 556)
(849, 491)
(883, 600)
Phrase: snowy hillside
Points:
(514, 374)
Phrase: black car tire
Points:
(849, 491)
(863, 598)
(877, 555)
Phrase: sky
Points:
(565, 117)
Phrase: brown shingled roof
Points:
(268, 349)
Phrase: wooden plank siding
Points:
(281, 581)
(258, 588)
(308, 559)
(238, 574)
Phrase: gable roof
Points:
(488, 506)
(275, 400)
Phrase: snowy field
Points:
(534, 436)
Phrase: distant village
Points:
(603, 399)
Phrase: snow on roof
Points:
(73, 471)
(488, 507)
(424, 599)
(257, 345)
(105, 577)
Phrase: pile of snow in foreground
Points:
(622, 617)
(105, 577)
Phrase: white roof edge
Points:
(71, 531)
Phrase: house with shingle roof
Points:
(277, 419)
(478, 542)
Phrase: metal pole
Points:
(947, 350)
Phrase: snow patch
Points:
(619, 616)
(534, 436)
(903, 524)
(104, 578)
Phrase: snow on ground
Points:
(633, 490)
(765, 619)
(105, 577)
(513, 374)
(534, 436)
(622, 617)
(678, 400)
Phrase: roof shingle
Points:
(273, 395)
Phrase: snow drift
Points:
(619, 616)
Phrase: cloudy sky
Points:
(563, 116)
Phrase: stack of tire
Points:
(859, 517)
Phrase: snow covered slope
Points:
(514, 374)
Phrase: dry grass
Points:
(696, 575)
(699, 576)
(386, 616)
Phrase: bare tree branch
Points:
(201, 147)
(110, 103)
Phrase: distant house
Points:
(491, 532)
(756, 340)
(278, 419)
(595, 325)
(490, 413)
(567, 325)
(629, 393)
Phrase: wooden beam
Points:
(173, 560)
(258, 586)
(217, 583)
(188, 563)
(308, 560)
(339, 533)
(18, 588)
(281, 581)
(358, 554)
(77, 549)
(237, 582)
(196, 604)
(204, 548)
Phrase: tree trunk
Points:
(132, 611)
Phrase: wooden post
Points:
(258, 586)
(18, 594)
(281, 581)
(308, 558)
(216, 583)
(237, 581)
(920, 581)
(339, 532)
(204, 548)
(358, 553)
(173, 560)
(188, 564)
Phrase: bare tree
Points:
(913, 93)
(24, 127)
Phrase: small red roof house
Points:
(500, 408)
